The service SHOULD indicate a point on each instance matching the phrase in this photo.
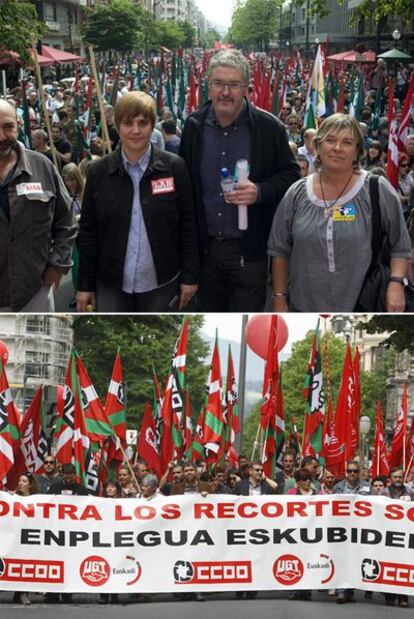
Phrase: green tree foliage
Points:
(169, 34)
(189, 33)
(399, 328)
(402, 9)
(254, 23)
(145, 342)
(18, 21)
(207, 40)
(113, 26)
(373, 385)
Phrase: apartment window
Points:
(50, 12)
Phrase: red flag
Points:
(192, 94)
(405, 115)
(400, 431)
(380, 464)
(409, 452)
(231, 409)
(392, 154)
(345, 408)
(357, 408)
(147, 442)
(272, 418)
(33, 441)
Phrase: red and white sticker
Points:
(163, 185)
(23, 189)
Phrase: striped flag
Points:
(9, 427)
(315, 101)
(315, 401)
(392, 154)
(172, 408)
(213, 419)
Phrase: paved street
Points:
(268, 605)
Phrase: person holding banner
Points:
(26, 486)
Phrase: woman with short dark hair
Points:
(137, 240)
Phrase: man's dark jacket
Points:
(243, 487)
(272, 167)
(106, 215)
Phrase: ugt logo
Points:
(288, 569)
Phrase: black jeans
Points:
(164, 299)
(227, 282)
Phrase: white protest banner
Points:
(214, 543)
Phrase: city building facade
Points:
(338, 32)
(39, 350)
(350, 328)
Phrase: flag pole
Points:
(43, 100)
(105, 132)
(408, 468)
(256, 442)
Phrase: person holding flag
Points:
(320, 240)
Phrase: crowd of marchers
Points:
(150, 227)
(297, 477)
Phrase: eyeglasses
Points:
(352, 471)
(404, 165)
(232, 86)
(49, 462)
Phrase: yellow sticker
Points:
(344, 213)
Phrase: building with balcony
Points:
(63, 19)
(39, 350)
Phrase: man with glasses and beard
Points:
(234, 265)
(36, 225)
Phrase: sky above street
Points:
(229, 326)
(218, 11)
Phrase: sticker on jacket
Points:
(163, 185)
(25, 188)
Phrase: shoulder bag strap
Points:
(376, 240)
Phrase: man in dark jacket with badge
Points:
(234, 266)
(137, 241)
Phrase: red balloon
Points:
(4, 353)
(258, 330)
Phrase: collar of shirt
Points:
(141, 163)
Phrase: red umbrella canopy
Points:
(9, 58)
(58, 56)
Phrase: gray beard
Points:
(5, 154)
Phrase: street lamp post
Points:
(396, 35)
(364, 428)
(317, 41)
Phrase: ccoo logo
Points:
(95, 571)
(288, 570)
